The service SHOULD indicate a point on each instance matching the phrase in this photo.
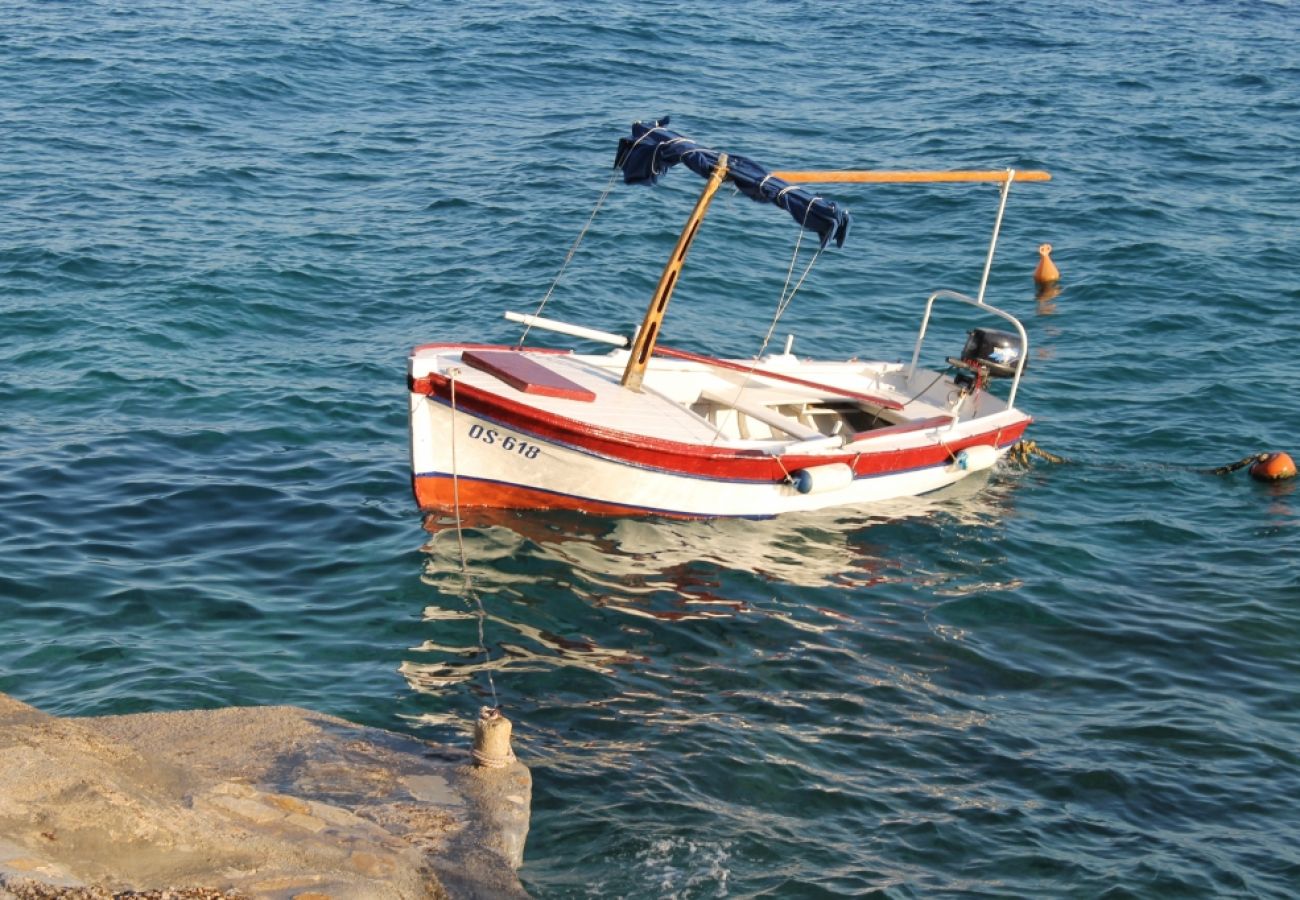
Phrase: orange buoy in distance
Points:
(1046, 274)
(1272, 467)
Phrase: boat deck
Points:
(609, 404)
(588, 390)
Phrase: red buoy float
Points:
(1272, 467)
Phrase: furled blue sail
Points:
(653, 150)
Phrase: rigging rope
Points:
(569, 257)
(787, 294)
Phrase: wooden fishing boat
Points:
(650, 430)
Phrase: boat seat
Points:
(765, 414)
(523, 373)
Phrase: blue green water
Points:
(223, 225)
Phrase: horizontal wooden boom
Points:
(882, 177)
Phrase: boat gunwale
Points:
(696, 460)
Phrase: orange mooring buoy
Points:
(1046, 274)
(1272, 467)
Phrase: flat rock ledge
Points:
(263, 802)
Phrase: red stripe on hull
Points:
(441, 493)
(689, 459)
(436, 492)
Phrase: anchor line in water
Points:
(1023, 451)
(1239, 464)
(1263, 466)
(468, 591)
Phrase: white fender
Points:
(975, 459)
(819, 479)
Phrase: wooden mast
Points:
(644, 346)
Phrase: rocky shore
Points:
(269, 802)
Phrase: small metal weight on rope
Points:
(492, 739)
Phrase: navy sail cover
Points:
(653, 150)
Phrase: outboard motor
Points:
(995, 352)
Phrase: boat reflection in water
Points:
(537, 589)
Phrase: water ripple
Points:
(227, 225)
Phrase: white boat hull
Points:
(482, 452)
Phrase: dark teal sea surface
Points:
(223, 225)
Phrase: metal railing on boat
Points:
(971, 301)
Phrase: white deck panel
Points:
(615, 407)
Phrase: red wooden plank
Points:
(903, 428)
(526, 374)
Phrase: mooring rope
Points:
(452, 375)
(491, 761)
(1023, 451)
(1239, 464)
(468, 590)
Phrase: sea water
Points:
(223, 225)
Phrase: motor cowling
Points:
(997, 352)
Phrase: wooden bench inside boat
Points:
(523, 373)
(762, 412)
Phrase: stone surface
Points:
(266, 802)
